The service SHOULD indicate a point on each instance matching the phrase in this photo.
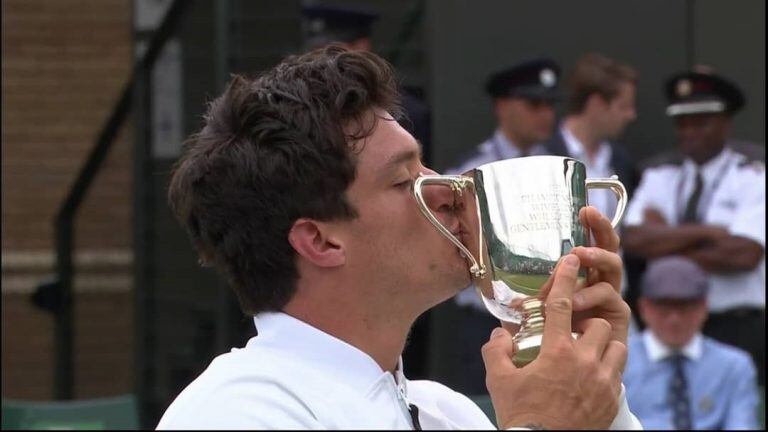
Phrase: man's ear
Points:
(313, 241)
(595, 102)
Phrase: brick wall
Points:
(64, 63)
(103, 363)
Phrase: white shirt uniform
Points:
(495, 148)
(294, 376)
(733, 197)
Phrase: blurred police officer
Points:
(523, 105)
(709, 205)
(351, 26)
(675, 377)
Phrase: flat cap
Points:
(674, 278)
(702, 91)
(534, 79)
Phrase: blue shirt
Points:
(722, 386)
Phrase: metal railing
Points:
(64, 221)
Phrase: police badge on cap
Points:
(534, 79)
(547, 77)
(702, 91)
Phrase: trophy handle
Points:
(457, 183)
(618, 189)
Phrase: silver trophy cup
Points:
(519, 217)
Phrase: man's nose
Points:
(676, 315)
(439, 198)
(686, 132)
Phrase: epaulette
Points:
(753, 164)
(749, 151)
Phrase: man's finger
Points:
(511, 328)
(609, 264)
(597, 295)
(544, 290)
(558, 309)
(595, 334)
(615, 356)
(598, 258)
(603, 233)
(497, 352)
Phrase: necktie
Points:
(678, 395)
(689, 215)
(414, 411)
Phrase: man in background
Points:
(708, 204)
(675, 377)
(523, 105)
(600, 103)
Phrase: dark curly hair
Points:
(274, 149)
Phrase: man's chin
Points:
(463, 277)
(454, 291)
(461, 280)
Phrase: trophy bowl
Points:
(521, 215)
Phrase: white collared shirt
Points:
(597, 167)
(294, 376)
(733, 197)
(658, 351)
(712, 173)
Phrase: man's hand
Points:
(599, 298)
(653, 217)
(571, 384)
(602, 232)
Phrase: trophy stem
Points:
(528, 338)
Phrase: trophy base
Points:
(527, 348)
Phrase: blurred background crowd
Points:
(102, 294)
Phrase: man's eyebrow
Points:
(404, 156)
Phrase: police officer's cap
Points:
(534, 79)
(702, 91)
(327, 23)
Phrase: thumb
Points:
(498, 351)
